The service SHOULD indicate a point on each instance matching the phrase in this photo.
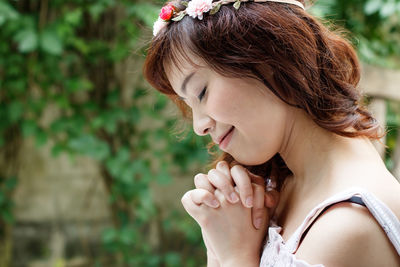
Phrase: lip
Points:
(226, 138)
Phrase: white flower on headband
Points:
(196, 8)
(158, 26)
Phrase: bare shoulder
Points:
(347, 235)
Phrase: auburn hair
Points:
(314, 68)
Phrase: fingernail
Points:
(257, 223)
(215, 204)
(234, 197)
(249, 202)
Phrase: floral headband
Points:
(196, 8)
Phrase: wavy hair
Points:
(314, 68)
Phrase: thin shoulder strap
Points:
(353, 199)
(384, 216)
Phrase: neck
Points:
(320, 161)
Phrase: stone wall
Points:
(61, 207)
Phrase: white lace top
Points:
(277, 253)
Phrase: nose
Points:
(202, 123)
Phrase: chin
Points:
(251, 161)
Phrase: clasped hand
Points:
(233, 210)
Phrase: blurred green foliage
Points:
(67, 60)
(374, 26)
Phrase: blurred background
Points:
(91, 167)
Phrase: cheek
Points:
(264, 136)
(223, 107)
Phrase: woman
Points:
(277, 92)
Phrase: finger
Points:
(271, 200)
(258, 211)
(219, 195)
(224, 168)
(201, 181)
(256, 179)
(202, 196)
(189, 205)
(243, 182)
(224, 184)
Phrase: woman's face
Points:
(241, 115)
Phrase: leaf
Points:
(372, 6)
(95, 10)
(74, 17)
(78, 84)
(236, 5)
(215, 9)
(50, 42)
(89, 145)
(10, 184)
(184, 3)
(173, 259)
(388, 9)
(27, 40)
(57, 149)
(41, 138)
(7, 12)
(7, 216)
(180, 16)
(29, 127)
(109, 235)
(15, 111)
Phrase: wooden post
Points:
(382, 84)
(396, 157)
(378, 109)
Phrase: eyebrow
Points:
(185, 82)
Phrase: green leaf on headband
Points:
(236, 5)
(184, 3)
(216, 8)
(180, 16)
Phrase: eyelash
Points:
(203, 92)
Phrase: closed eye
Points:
(202, 93)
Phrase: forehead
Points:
(182, 65)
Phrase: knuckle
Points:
(199, 180)
(246, 189)
(258, 206)
(220, 196)
(212, 172)
(215, 176)
(225, 187)
(235, 169)
(203, 197)
(257, 188)
(240, 175)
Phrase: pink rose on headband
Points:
(167, 12)
(196, 8)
